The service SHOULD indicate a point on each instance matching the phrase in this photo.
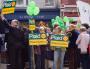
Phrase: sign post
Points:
(32, 27)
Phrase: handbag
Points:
(88, 49)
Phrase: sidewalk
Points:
(3, 66)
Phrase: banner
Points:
(37, 39)
(59, 40)
(84, 9)
(8, 7)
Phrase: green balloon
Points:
(61, 23)
(36, 11)
(52, 20)
(71, 20)
(65, 19)
(57, 17)
(29, 11)
(32, 4)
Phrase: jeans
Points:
(40, 58)
(59, 57)
(38, 61)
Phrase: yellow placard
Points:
(38, 42)
(59, 43)
(8, 10)
(32, 27)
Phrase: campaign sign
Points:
(32, 27)
(59, 40)
(37, 39)
(8, 7)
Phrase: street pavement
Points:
(3, 66)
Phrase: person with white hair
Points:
(15, 44)
(83, 42)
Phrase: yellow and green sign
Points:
(59, 40)
(37, 39)
(32, 27)
(8, 7)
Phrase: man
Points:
(72, 49)
(15, 43)
(83, 42)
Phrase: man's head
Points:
(57, 30)
(15, 23)
(83, 29)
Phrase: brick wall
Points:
(68, 2)
(72, 2)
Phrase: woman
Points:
(40, 50)
(59, 52)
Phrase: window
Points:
(39, 3)
(49, 3)
(45, 3)
(21, 3)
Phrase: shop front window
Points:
(49, 3)
(21, 3)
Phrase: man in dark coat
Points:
(73, 52)
(15, 43)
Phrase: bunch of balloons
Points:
(59, 21)
(66, 19)
(32, 9)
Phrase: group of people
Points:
(15, 37)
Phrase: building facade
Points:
(48, 10)
(69, 8)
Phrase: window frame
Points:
(22, 5)
(52, 6)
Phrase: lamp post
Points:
(32, 10)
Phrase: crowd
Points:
(14, 41)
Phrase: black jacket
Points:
(73, 38)
(15, 36)
(2, 27)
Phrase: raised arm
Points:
(4, 21)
